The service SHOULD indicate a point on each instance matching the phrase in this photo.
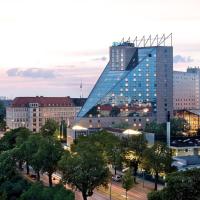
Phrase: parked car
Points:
(116, 178)
(33, 176)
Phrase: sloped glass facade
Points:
(127, 86)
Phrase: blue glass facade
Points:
(130, 91)
(135, 87)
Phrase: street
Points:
(138, 192)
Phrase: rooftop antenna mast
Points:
(81, 90)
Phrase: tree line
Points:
(86, 166)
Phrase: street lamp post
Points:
(143, 178)
(111, 189)
(110, 168)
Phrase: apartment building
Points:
(186, 89)
(33, 112)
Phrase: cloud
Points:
(32, 73)
(182, 59)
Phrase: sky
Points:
(47, 47)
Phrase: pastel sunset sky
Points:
(48, 46)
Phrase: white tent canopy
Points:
(131, 132)
(79, 128)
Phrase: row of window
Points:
(185, 99)
(185, 104)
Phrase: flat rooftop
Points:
(182, 142)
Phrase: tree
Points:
(49, 128)
(14, 138)
(85, 169)
(7, 166)
(49, 152)
(155, 195)
(134, 146)
(127, 181)
(22, 135)
(27, 149)
(182, 185)
(33, 193)
(178, 125)
(3, 196)
(35, 159)
(108, 144)
(154, 127)
(14, 187)
(157, 159)
(39, 192)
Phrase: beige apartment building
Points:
(186, 89)
(33, 112)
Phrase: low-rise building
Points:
(33, 112)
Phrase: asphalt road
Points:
(138, 192)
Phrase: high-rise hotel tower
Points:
(136, 86)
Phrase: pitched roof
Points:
(43, 101)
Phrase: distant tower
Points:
(81, 90)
